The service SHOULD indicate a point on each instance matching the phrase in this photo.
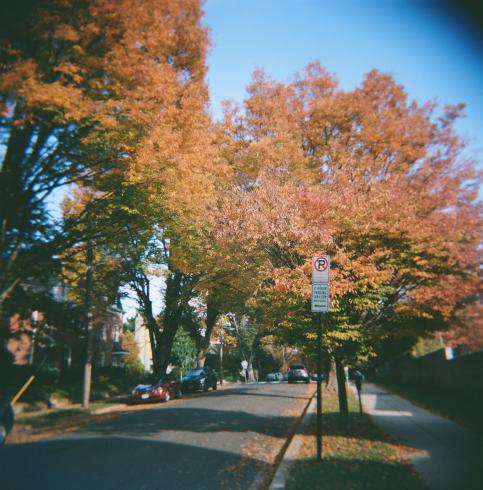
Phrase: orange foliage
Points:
(374, 180)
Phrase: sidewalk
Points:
(450, 457)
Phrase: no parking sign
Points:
(320, 304)
(320, 269)
(320, 283)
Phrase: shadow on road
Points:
(193, 419)
(106, 463)
(220, 440)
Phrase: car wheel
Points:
(3, 434)
(167, 397)
(205, 386)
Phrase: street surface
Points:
(449, 457)
(218, 440)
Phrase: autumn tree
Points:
(131, 361)
(374, 180)
(110, 96)
(48, 93)
(88, 88)
(184, 352)
(152, 197)
(466, 327)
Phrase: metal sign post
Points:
(319, 386)
(320, 304)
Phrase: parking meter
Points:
(358, 382)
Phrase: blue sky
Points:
(428, 49)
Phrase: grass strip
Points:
(357, 455)
(462, 409)
(51, 417)
(54, 422)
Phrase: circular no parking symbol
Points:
(321, 264)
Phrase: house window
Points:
(117, 362)
(104, 332)
(102, 359)
(59, 293)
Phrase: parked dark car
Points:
(199, 379)
(166, 388)
(313, 376)
(297, 372)
(272, 377)
(6, 419)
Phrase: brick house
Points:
(108, 350)
(29, 336)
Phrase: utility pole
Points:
(34, 322)
(89, 327)
(222, 335)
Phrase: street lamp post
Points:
(34, 321)
(221, 357)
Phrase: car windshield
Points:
(194, 372)
(297, 366)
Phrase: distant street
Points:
(220, 440)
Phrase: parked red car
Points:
(165, 389)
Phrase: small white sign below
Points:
(320, 297)
(320, 268)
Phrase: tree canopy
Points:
(111, 99)
(374, 180)
(87, 88)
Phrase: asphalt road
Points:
(220, 440)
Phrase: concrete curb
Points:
(292, 451)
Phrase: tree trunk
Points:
(330, 383)
(203, 343)
(172, 319)
(341, 388)
(86, 390)
(153, 328)
(259, 368)
(250, 372)
(201, 357)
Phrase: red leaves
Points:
(366, 176)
